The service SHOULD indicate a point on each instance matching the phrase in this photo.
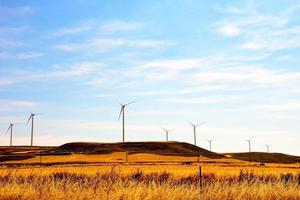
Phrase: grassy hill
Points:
(161, 148)
(265, 157)
(180, 149)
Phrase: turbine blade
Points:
(29, 119)
(199, 124)
(122, 110)
(8, 129)
(129, 103)
(191, 123)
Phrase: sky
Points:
(233, 65)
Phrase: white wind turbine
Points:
(209, 141)
(31, 117)
(194, 128)
(268, 148)
(10, 128)
(167, 133)
(122, 112)
(249, 148)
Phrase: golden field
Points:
(146, 176)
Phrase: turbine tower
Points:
(249, 146)
(209, 141)
(122, 112)
(268, 148)
(31, 117)
(194, 128)
(10, 127)
(167, 134)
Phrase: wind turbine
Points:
(268, 148)
(249, 146)
(10, 127)
(194, 127)
(209, 141)
(122, 112)
(31, 117)
(167, 134)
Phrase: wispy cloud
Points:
(8, 13)
(256, 75)
(229, 30)
(260, 31)
(79, 69)
(281, 106)
(117, 26)
(58, 71)
(12, 30)
(103, 45)
(73, 30)
(6, 81)
(94, 28)
(6, 105)
(11, 43)
(20, 55)
(22, 10)
(205, 100)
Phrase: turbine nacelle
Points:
(196, 125)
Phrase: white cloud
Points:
(20, 55)
(6, 81)
(160, 70)
(260, 31)
(13, 30)
(117, 26)
(94, 28)
(99, 45)
(283, 106)
(103, 45)
(204, 100)
(11, 43)
(79, 69)
(70, 31)
(15, 11)
(229, 30)
(17, 105)
(97, 82)
(249, 75)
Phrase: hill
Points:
(160, 148)
(265, 157)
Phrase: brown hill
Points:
(265, 157)
(161, 148)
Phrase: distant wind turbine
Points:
(122, 112)
(167, 134)
(31, 117)
(10, 127)
(268, 148)
(209, 141)
(194, 128)
(249, 146)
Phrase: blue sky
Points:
(231, 64)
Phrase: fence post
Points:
(126, 157)
(200, 177)
(40, 159)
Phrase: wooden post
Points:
(200, 176)
(126, 157)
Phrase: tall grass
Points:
(154, 186)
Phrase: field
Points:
(127, 175)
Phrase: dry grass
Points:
(222, 179)
(138, 185)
